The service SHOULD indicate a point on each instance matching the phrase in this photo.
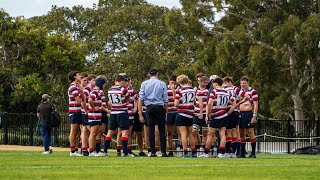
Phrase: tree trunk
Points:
(298, 112)
(296, 96)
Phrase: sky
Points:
(30, 8)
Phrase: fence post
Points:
(55, 136)
(31, 129)
(5, 127)
(318, 131)
(258, 133)
(288, 134)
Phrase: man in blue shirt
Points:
(153, 94)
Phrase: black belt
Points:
(154, 105)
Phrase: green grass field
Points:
(34, 165)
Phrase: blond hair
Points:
(182, 79)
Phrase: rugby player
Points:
(95, 114)
(248, 113)
(184, 101)
(171, 115)
(218, 118)
(232, 133)
(118, 97)
(104, 118)
(75, 95)
(200, 124)
(85, 127)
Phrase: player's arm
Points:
(135, 105)
(84, 104)
(200, 100)
(208, 109)
(91, 103)
(255, 111)
(140, 104)
(233, 106)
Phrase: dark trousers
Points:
(156, 115)
(46, 135)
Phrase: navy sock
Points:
(243, 147)
(118, 147)
(228, 145)
(238, 147)
(253, 145)
(206, 150)
(222, 150)
(124, 144)
(107, 141)
(98, 146)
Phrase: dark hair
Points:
(119, 78)
(199, 75)
(227, 79)
(244, 78)
(173, 78)
(72, 74)
(218, 80)
(90, 77)
(83, 75)
(204, 79)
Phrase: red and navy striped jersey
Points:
(203, 94)
(74, 92)
(186, 96)
(86, 92)
(252, 93)
(171, 107)
(221, 99)
(117, 96)
(133, 97)
(103, 99)
(234, 91)
(93, 115)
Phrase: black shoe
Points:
(164, 155)
(170, 154)
(136, 155)
(241, 156)
(142, 154)
(153, 155)
(118, 154)
(85, 153)
(252, 156)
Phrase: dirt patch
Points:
(28, 148)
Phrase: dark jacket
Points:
(45, 109)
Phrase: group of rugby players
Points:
(215, 104)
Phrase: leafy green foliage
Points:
(275, 43)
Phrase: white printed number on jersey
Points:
(114, 98)
(188, 98)
(222, 101)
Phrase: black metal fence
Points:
(274, 136)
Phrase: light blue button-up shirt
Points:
(153, 92)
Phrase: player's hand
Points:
(96, 108)
(141, 119)
(207, 119)
(200, 116)
(253, 120)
